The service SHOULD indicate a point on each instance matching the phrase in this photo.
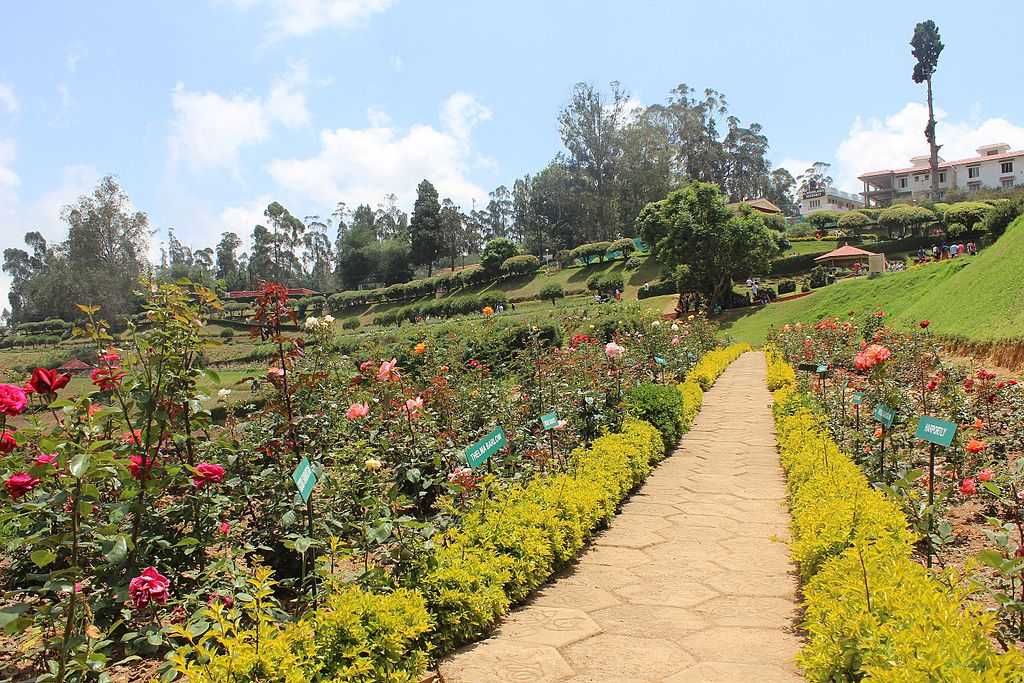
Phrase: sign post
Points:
(856, 400)
(550, 421)
(305, 479)
(482, 450)
(937, 433)
(884, 415)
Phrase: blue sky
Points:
(207, 110)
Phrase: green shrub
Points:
(787, 286)
(588, 252)
(633, 263)
(668, 286)
(660, 405)
(227, 333)
(520, 265)
(495, 253)
(350, 324)
(551, 292)
(623, 247)
(1001, 215)
(714, 363)
(605, 282)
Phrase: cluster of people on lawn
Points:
(941, 252)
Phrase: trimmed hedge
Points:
(659, 405)
(872, 613)
(658, 289)
(714, 363)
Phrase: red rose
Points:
(7, 443)
(13, 400)
(107, 379)
(924, 324)
(46, 381)
(149, 586)
(207, 473)
(969, 487)
(20, 483)
(136, 465)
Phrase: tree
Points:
(853, 221)
(425, 227)
(227, 259)
(904, 218)
(551, 291)
(499, 211)
(816, 177)
(495, 252)
(782, 191)
(287, 232)
(453, 233)
(824, 219)
(393, 261)
(965, 216)
(927, 46)
(694, 234)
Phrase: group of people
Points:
(941, 252)
(758, 294)
(602, 298)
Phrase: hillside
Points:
(979, 298)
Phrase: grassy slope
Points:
(978, 298)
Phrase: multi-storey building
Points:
(828, 199)
(996, 166)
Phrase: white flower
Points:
(675, 328)
(373, 464)
(312, 322)
(223, 393)
(656, 323)
(327, 320)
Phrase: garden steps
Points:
(692, 580)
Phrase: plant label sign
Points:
(305, 479)
(482, 450)
(884, 415)
(549, 420)
(807, 367)
(821, 369)
(857, 398)
(660, 361)
(936, 431)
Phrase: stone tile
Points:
(743, 645)
(671, 623)
(630, 536)
(554, 626)
(727, 672)
(747, 611)
(501, 660)
(753, 583)
(666, 592)
(617, 657)
(615, 557)
(574, 595)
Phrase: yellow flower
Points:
(420, 348)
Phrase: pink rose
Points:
(13, 400)
(224, 528)
(357, 411)
(7, 443)
(388, 371)
(613, 350)
(20, 483)
(47, 459)
(986, 475)
(149, 586)
(136, 465)
(414, 406)
(207, 473)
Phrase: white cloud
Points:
(8, 178)
(8, 99)
(358, 165)
(378, 118)
(461, 113)
(65, 94)
(241, 219)
(209, 129)
(876, 144)
(302, 17)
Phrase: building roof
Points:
(845, 251)
(944, 164)
(75, 364)
(760, 203)
(252, 294)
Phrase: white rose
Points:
(311, 322)
(223, 393)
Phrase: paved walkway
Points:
(689, 583)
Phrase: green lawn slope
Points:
(978, 298)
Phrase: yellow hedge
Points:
(714, 363)
(852, 546)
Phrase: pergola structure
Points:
(844, 257)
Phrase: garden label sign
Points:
(936, 431)
(305, 479)
(884, 415)
(549, 420)
(821, 369)
(660, 361)
(857, 398)
(482, 450)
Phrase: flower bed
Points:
(871, 611)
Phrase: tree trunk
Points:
(929, 133)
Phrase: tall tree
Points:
(287, 234)
(499, 211)
(425, 227)
(453, 232)
(694, 234)
(927, 46)
(227, 259)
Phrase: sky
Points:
(207, 110)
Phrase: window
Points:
(814, 203)
(903, 183)
(1007, 182)
(973, 171)
(1006, 167)
(974, 187)
(942, 176)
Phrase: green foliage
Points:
(605, 283)
(853, 220)
(624, 247)
(714, 363)
(1003, 213)
(871, 611)
(425, 230)
(905, 217)
(659, 405)
(692, 231)
(520, 265)
(825, 219)
(495, 253)
(588, 252)
(551, 292)
(965, 216)
(227, 333)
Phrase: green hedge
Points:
(659, 405)
(871, 612)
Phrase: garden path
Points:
(692, 580)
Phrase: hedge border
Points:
(871, 612)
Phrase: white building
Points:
(829, 199)
(996, 166)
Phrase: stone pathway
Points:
(691, 582)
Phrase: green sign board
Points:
(549, 420)
(807, 367)
(857, 398)
(660, 361)
(884, 415)
(482, 450)
(936, 431)
(305, 479)
(821, 369)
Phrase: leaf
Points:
(212, 376)
(118, 550)
(88, 310)
(379, 532)
(43, 557)
(302, 544)
(991, 558)
(187, 541)
(79, 465)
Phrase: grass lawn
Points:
(977, 298)
(811, 247)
